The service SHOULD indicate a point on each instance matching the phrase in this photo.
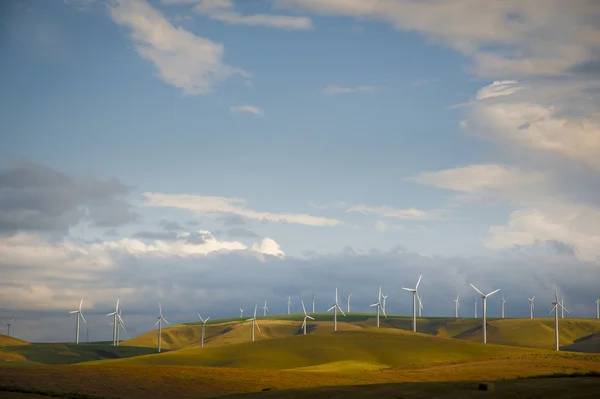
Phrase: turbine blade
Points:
(493, 292)
(303, 308)
(83, 317)
(158, 321)
(555, 291)
(383, 310)
(80, 304)
(74, 311)
(165, 320)
(249, 319)
(331, 308)
(304, 322)
(312, 318)
(533, 298)
(375, 304)
(206, 319)
(256, 324)
(476, 289)
(112, 314)
(159, 309)
(255, 307)
(117, 307)
(340, 309)
(119, 317)
(418, 282)
(408, 289)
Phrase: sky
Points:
(213, 154)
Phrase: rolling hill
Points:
(5, 340)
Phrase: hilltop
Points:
(5, 340)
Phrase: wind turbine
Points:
(313, 303)
(384, 297)
(203, 326)
(503, 302)
(598, 308)
(8, 325)
(289, 303)
(159, 324)
(562, 308)
(415, 295)
(306, 316)
(379, 307)
(114, 323)
(475, 306)
(484, 296)
(456, 307)
(254, 322)
(531, 307)
(241, 313)
(120, 324)
(556, 304)
(335, 307)
(265, 309)
(348, 297)
(79, 314)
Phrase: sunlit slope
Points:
(536, 333)
(232, 332)
(5, 340)
(341, 351)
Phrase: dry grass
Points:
(10, 341)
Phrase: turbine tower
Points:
(415, 296)
(456, 307)
(335, 307)
(203, 327)
(313, 303)
(265, 309)
(503, 302)
(306, 316)
(79, 315)
(159, 324)
(8, 325)
(484, 296)
(379, 306)
(289, 303)
(254, 322)
(241, 313)
(348, 298)
(114, 323)
(598, 308)
(556, 304)
(531, 307)
(475, 306)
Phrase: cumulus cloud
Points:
(331, 90)
(207, 205)
(182, 59)
(34, 197)
(250, 109)
(224, 11)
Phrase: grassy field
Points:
(66, 353)
(11, 341)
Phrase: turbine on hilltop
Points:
(484, 296)
(159, 324)
(120, 325)
(556, 304)
(379, 306)
(348, 298)
(289, 304)
(203, 327)
(335, 307)
(306, 316)
(8, 324)
(313, 303)
(503, 302)
(79, 314)
(415, 296)
(456, 307)
(531, 307)
(254, 321)
(265, 309)
(115, 315)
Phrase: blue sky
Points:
(451, 130)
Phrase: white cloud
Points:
(268, 246)
(182, 59)
(236, 109)
(528, 38)
(330, 90)
(498, 88)
(208, 205)
(224, 11)
(386, 211)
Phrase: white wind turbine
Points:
(503, 302)
(159, 324)
(254, 322)
(456, 307)
(203, 327)
(415, 296)
(598, 308)
(241, 313)
(79, 315)
(115, 315)
(8, 325)
(379, 307)
(289, 303)
(348, 298)
(335, 307)
(265, 309)
(562, 308)
(484, 296)
(475, 306)
(120, 325)
(313, 303)
(531, 307)
(556, 304)
(306, 316)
